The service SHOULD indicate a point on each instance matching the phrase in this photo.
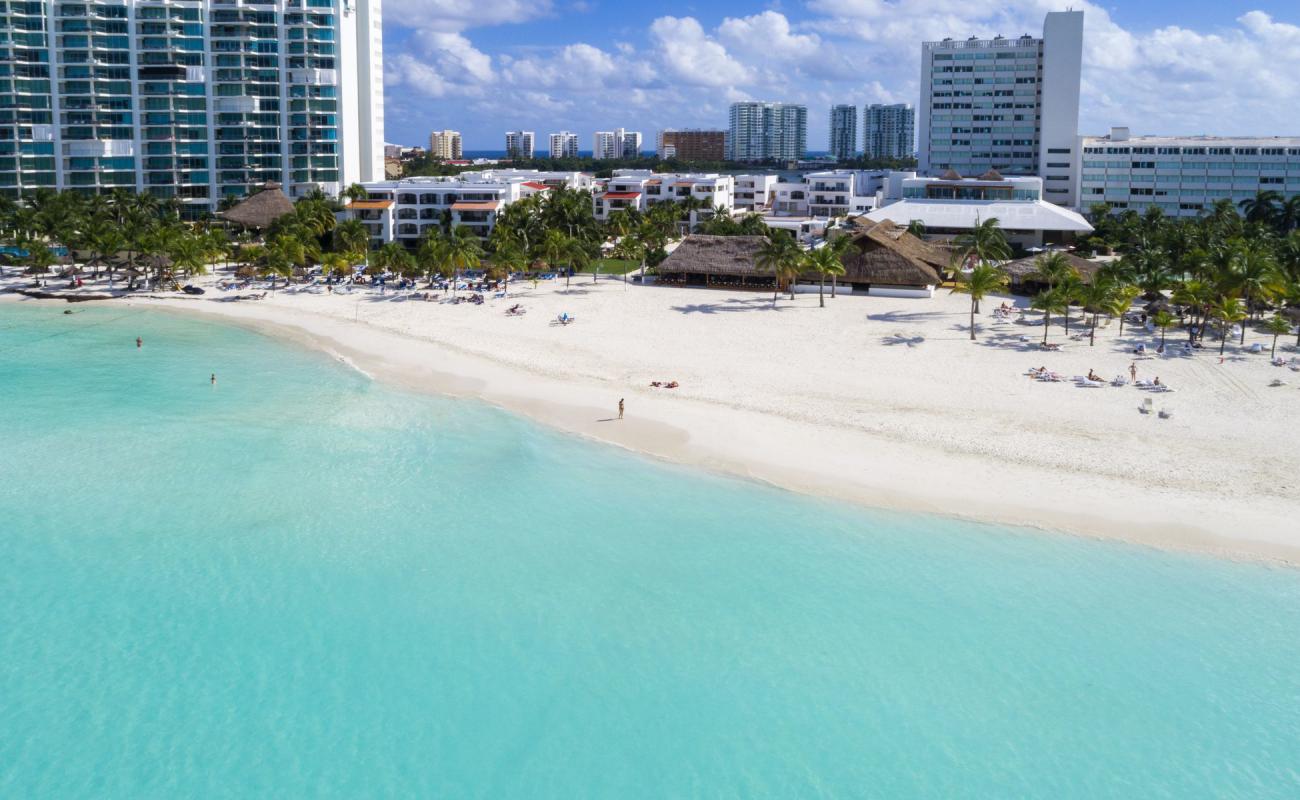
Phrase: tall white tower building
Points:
(190, 99)
(767, 132)
(519, 144)
(844, 132)
(564, 145)
(1010, 105)
(889, 131)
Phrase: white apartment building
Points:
(616, 144)
(844, 132)
(755, 192)
(564, 145)
(889, 131)
(949, 207)
(841, 192)
(519, 144)
(1006, 104)
(635, 189)
(194, 100)
(445, 145)
(409, 209)
(767, 132)
(1184, 175)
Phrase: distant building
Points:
(407, 210)
(692, 145)
(445, 145)
(950, 206)
(1006, 104)
(564, 145)
(616, 144)
(639, 189)
(392, 151)
(767, 132)
(1184, 176)
(755, 192)
(519, 144)
(844, 132)
(889, 131)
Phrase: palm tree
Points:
(575, 253)
(1096, 297)
(335, 264)
(189, 254)
(1263, 207)
(354, 191)
(985, 243)
(982, 280)
(779, 255)
(1124, 297)
(917, 228)
(1163, 319)
(433, 255)
(554, 247)
(1052, 269)
(351, 236)
(509, 258)
(1277, 325)
(463, 252)
(1048, 301)
(825, 260)
(1070, 289)
(39, 258)
(1228, 311)
(1254, 274)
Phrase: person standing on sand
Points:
(620, 408)
(1133, 371)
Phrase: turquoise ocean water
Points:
(304, 584)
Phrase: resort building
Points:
(409, 209)
(755, 192)
(841, 192)
(767, 132)
(564, 145)
(889, 131)
(445, 145)
(882, 259)
(190, 100)
(1010, 105)
(1184, 176)
(844, 132)
(519, 144)
(952, 205)
(616, 144)
(641, 189)
(692, 145)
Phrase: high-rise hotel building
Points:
(889, 131)
(767, 132)
(192, 99)
(1010, 105)
(844, 132)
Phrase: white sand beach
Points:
(873, 400)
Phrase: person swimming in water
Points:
(139, 342)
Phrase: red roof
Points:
(622, 195)
(465, 205)
(536, 185)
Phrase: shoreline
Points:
(882, 469)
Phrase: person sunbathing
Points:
(1157, 382)
(1092, 376)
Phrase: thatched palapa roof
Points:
(1022, 270)
(714, 255)
(885, 254)
(261, 209)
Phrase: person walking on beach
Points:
(620, 408)
(1133, 371)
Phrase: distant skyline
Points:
(1157, 66)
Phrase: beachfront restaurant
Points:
(883, 260)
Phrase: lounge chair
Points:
(1166, 413)
(1146, 406)
(1256, 348)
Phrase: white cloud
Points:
(459, 15)
(691, 56)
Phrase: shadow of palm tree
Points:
(893, 340)
(906, 316)
(728, 306)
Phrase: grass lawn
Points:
(611, 266)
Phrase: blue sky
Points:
(485, 66)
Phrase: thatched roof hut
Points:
(1023, 270)
(259, 211)
(716, 261)
(885, 254)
